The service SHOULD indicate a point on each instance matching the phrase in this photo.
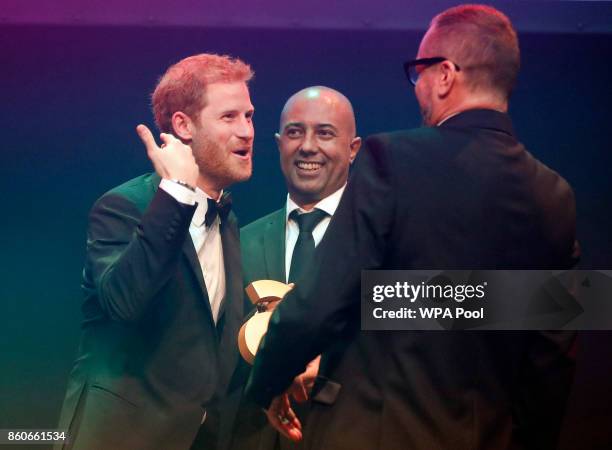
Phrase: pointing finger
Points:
(146, 137)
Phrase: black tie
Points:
(220, 208)
(305, 246)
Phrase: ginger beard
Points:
(221, 136)
(222, 165)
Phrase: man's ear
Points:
(355, 146)
(277, 138)
(182, 126)
(447, 77)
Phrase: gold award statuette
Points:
(265, 295)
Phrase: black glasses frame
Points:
(427, 62)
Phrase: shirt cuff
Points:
(180, 193)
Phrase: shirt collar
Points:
(329, 204)
(201, 199)
(446, 118)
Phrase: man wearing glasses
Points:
(460, 193)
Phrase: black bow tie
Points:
(221, 208)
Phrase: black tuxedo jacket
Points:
(464, 195)
(262, 244)
(150, 357)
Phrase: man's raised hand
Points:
(173, 160)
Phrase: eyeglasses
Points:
(410, 67)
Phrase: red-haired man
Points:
(162, 282)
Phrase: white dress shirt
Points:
(329, 204)
(206, 240)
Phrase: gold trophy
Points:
(265, 295)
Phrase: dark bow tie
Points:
(221, 208)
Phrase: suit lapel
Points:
(192, 257)
(231, 308)
(194, 263)
(274, 246)
(231, 261)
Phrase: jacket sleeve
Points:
(325, 303)
(132, 254)
(544, 385)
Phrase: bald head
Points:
(317, 143)
(328, 98)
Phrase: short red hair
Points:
(183, 86)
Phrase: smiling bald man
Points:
(317, 143)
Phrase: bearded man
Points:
(162, 281)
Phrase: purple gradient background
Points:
(537, 16)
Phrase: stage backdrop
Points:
(71, 97)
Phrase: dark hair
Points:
(481, 40)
